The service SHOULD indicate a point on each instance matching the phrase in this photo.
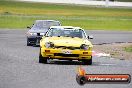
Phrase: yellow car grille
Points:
(67, 47)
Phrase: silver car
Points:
(38, 29)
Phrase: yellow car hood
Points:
(67, 41)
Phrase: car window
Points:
(45, 24)
(66, 32)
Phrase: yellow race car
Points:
(66, 43)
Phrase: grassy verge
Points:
(117, 50)
(20, 14)
(128, 49)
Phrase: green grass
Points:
(128, 49)
(20, 14)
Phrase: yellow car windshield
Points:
(66, 32)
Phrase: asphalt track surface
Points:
(19, 67)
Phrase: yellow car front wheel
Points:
(87, 61)
(41, 58)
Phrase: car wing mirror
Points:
(90, 37)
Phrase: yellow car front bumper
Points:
(66, 54)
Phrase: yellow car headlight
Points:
(49, 45)
(84, 46)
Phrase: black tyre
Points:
(88, 62)
(42, 59)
